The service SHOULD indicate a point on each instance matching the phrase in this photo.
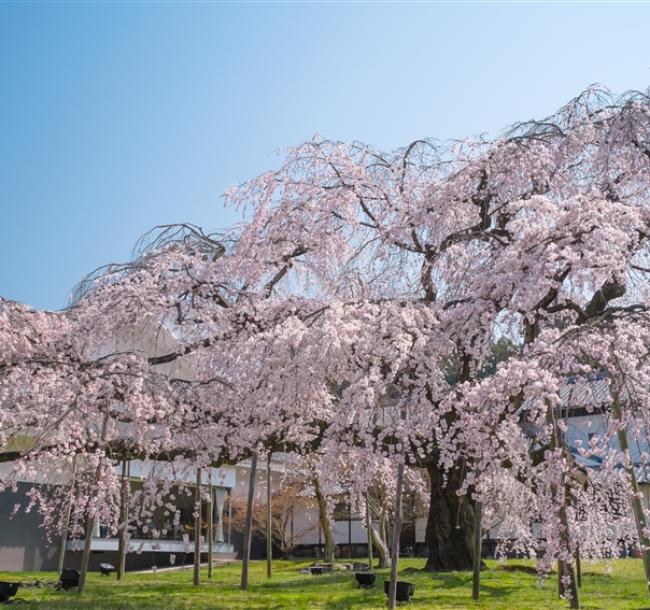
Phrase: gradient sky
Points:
(118, 117)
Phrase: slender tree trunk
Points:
(124, 518)
(369, 526)
(397, 526)
(246, 553)
(478, 535)
(379, 541)
(637, 505)
(269, 520)
(326, 525)
(578, 567)
(450, 524)
(66, 517)
(210, 532)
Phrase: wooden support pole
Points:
(397, 526)
(85, 556)
(90, 521)
(66, 517)
(246, 553)
(196, 581)
(229, 515)
(477, 542)
(210, 523)
(124, 518)
(269, 520)
(369, 525)
(637, 505)
(564, 568)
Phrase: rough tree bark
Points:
(450, 524)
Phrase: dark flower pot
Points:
(69, 579)
(403, 590)
(365, 579)
(7, 590)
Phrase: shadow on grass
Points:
(523, 569)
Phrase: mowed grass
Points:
(513, 586)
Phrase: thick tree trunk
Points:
(450, 524)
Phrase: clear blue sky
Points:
(117, 117)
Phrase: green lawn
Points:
(509, 586)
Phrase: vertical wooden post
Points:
(197, 530)
(325, 524)
(478, 535)
(66, 517)
(229, 515)
(85, 556)
(210, 523)
(637, 505)
(124, 518)
(269, 520)
(349, 526)
(369, 525)
(564, 568)
(90, 521)
(397, 526)
(249, 524)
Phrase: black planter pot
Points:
(69, 579)
(403, 590)
(7, 590)
(365, 579)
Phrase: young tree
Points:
(286, 532)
